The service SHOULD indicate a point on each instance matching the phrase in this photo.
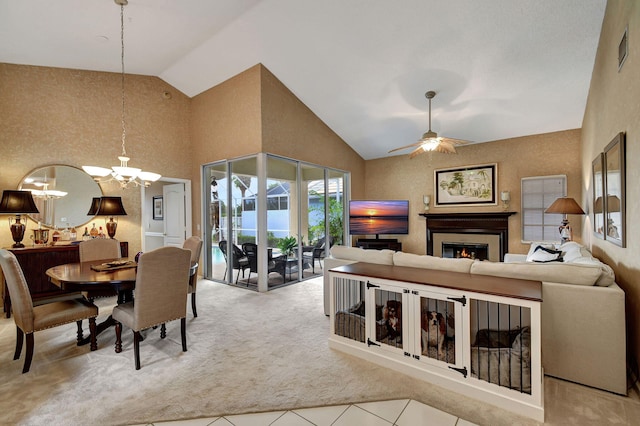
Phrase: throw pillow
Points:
(543, 254)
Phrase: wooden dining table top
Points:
(80, 277)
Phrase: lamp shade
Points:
(597, 205)
(111, 206)
(17, 202)
(95, 203)
(565, 205)
(613, 203)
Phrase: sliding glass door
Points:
(266, 218)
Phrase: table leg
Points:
(109, 322)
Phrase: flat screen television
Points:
(375, 217)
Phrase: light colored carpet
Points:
(248, 352)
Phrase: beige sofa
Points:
(583, 309)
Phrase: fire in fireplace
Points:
(469, 250)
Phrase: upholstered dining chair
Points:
(98, 249)
(29, 318)
(195, 245)
(162, 283)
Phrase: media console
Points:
(379, 244)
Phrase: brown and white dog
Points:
(392, 314)
(434, 330)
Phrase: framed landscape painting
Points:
(465, 186)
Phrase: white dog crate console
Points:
(474, 334)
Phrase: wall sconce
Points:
(505, 196)
(426, 200)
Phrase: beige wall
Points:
(254, 112)
(73, 117)
(613, 106)
(548, 154)
(292, 130)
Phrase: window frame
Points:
(548, 219)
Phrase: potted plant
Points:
(287, 245)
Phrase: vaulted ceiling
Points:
(501, 69)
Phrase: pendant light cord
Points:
(124, 132)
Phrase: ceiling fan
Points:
(430, 140)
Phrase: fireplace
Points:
(490, 228)
(479, 251)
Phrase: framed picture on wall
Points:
(614, 189)
(597, 169)
(158, 207)
(465, 186)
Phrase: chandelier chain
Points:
(124, 132)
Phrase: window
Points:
(537, 195)
(279, 202)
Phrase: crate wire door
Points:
(387, 306)
(348, 306)
(439, 328)
(501, 344)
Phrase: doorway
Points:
(166, 213)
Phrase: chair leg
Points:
(136, 348)
(118, 327)
(19, 340)
(163, 331)
(193, 304)
(29, 355)
(183, 332)
(80, 334)
(93, 334)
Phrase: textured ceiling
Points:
(500, 68)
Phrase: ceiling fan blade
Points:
(415, 152)
(445, 148)
(453, 141)
(406, 146)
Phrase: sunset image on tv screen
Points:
(378, 217)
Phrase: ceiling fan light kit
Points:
(430, 141)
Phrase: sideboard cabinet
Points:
(35, 261)
(476, 335)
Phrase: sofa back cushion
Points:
(432, 262)
(382, 257)
(566, 273)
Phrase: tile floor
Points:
(400, 412)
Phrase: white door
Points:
(175, 227)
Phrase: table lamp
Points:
(95, 203)
(565, 206)
(17, 202)
(111, 206)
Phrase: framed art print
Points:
(158, 208)
(465, 186)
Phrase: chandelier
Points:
(42, 190)
(45, 192)
(123, 174)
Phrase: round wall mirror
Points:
(63, 195)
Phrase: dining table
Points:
(98, 278)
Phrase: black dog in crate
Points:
(392, 315)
